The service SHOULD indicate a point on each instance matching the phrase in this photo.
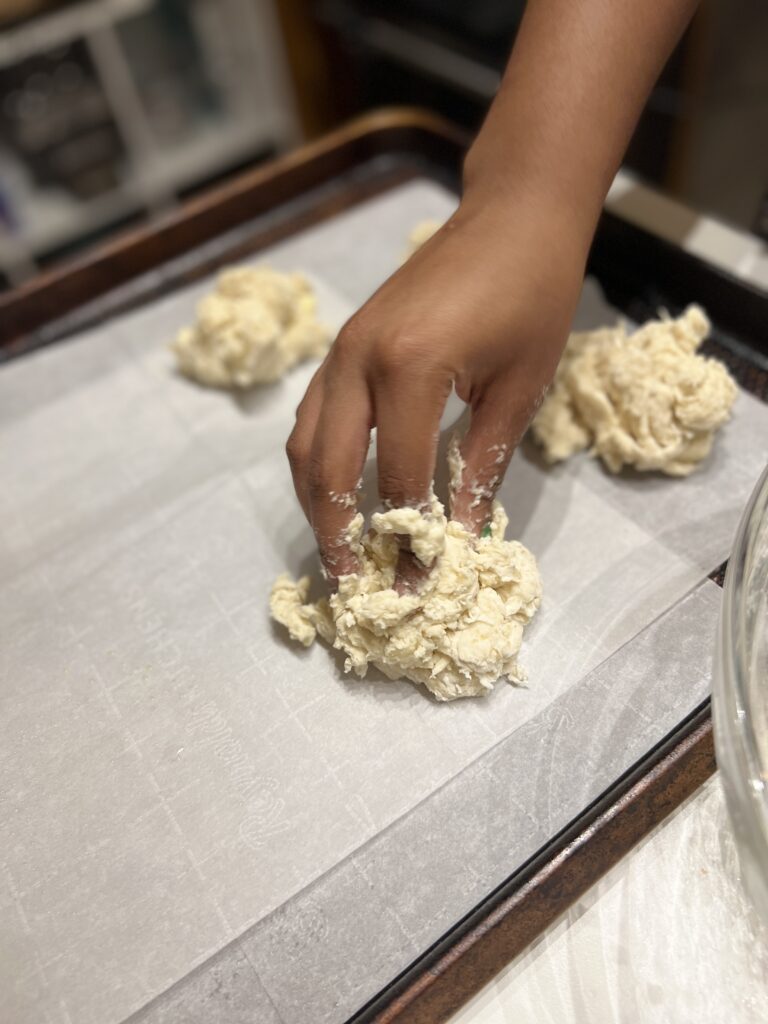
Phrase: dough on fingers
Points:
(457, 636)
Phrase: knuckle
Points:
(397, 356)
(414, 354)
(392, 488)
(349, 339)
(295, 450)
(317, 477)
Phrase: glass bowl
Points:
(740, 694)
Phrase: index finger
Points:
(409, 406)
(337, 458)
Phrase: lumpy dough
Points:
(457, 636)
(646, 399)
(254, 326)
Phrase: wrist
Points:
(503, 181)
(534, 217)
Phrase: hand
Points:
(486, 304)
(485, 307)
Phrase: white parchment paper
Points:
(171, 768)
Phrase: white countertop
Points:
(667, 936)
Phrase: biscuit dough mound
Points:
(645, 399)
(253, 327)
(457, 636)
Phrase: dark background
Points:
(113, 111)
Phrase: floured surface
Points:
(218, 771)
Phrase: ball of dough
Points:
(254, 326)
(646, 399)
(457, 636)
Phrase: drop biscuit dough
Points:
(457, 636)
(645, 399)
(254, 326)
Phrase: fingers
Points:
(405, 397)
(409, 401)
(410, 573)
(478, 466)
(299, 445)
(326, 452)
(336, 460)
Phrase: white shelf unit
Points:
(244, 57)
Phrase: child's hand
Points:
(485, 307)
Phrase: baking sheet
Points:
(393, 898)
(219, 771)
(327, 951)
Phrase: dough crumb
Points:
(646, 399)
(426, 529)
(254, 326)
(456, 467)
(286, 606)
(421, 234)
(457, 636)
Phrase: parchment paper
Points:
(172, 770)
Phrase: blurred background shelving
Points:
(702, 138)
(113, 111)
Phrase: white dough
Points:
(254, 326)
(646, 399)
(426, 529)
(457, 636)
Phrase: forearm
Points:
(574, 88)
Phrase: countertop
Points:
(667, 936)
